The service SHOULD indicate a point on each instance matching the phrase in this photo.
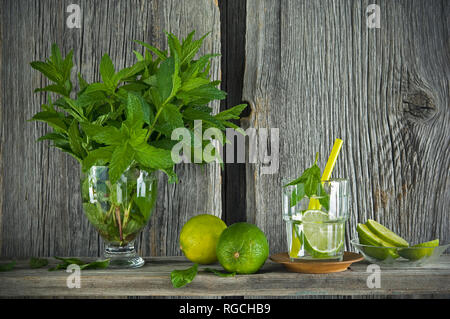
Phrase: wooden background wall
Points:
(311, 68)
(316, 71)
(41, 212)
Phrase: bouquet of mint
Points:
(120, 129)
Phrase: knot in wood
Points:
(418, 106)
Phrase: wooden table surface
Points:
(272, 280)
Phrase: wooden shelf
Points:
(271, 280)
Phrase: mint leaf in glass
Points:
(309, 184)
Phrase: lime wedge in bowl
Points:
(366, 237)
(419, 251)
(323, 238)
(388, 236)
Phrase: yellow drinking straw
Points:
(314, 203)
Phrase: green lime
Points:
(242, 248)
(199, 237)
(385, 234)
(415, 253)
(322, 240)
(366, 237)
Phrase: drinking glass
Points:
(315, 225)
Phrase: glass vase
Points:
(119, 211)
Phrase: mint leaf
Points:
(99, 264)
(153, 157)
(38, 262)
(174, 44)
(121, 158)
(137, 137)
(107, 70)
(310, 184)
(99, 156)
(312, 176)
(130, 72)
(232, 113)
(75, 140)
(56, 57)
(202, 95)
(103, 134)
(193, 83)
(59, 137)
(181, 278)
(48, 70)
(194, 113)
(190, 49)
(220, 273)
(167, 78)
(169, 120)
(134, 112)
(51, 118)
(297, 194)
(162, 55)
(96, 87)
(7, 267)
(55, 88)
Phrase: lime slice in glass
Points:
(323, 239)
(416, 253)
(366, 237)
(385, 234)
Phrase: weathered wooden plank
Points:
(272, 280)
(40, 199)
(199, 190)
(233, 21)
(317, 72)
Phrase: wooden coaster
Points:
(317, 267)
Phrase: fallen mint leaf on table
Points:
(220, 273)
(38, 262)
(181, 278)
(99, 264)
(7, 267)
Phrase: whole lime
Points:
(199, 237)
(242, 248)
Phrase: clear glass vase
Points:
(119, 211)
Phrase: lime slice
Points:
(385, 234)
(296, 242)
(322, 239)
(414, 253)
(366, 237)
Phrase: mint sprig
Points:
(127, 119)
(309, 184)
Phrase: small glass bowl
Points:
(400, 256)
